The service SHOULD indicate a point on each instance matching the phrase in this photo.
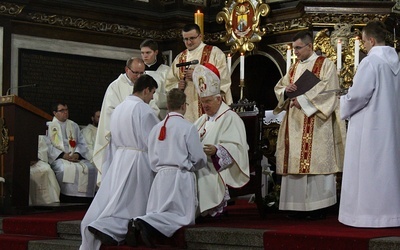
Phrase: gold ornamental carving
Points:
(321, 20)
(10, 9)
(92, 25)
(242, 23)
(4, 139)
(326, 43)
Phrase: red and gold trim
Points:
(308, 127)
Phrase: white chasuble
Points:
(228, 131)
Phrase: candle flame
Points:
(198, 11)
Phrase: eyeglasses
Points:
(187, 39)
(300, 47)
(62, 110)
(136, 72)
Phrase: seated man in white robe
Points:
(223, 135)
(67, 157)
(43, 186)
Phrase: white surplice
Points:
(218, 59)
(173, 198)
(314, 152)
(125, 188)
(43, 186)
(89, 133)
(371, 176)
(160, 99)
(116, 93)
(226, 130)
(74, 178)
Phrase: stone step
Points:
(224, 238)
(59, 244)
(213, 238)
(70, 230)
(196, 238)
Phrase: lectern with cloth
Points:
(20, 125)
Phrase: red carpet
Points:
(17, 242)
(284, 233)
(281, 233)
(43, 224)
(19, 230)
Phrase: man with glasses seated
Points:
(116, 92)
(310, 143)
(181, 77)
(67, 156)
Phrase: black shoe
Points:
(297, 215)
(319, 214)
(146, 232)
(132, 235)
(105, 239)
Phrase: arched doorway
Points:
(261, 76)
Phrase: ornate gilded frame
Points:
(242, 24)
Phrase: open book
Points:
(305, 82)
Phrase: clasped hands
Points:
(73, 158)
(294, 102)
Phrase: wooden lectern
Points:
(20, 125)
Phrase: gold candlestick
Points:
(241, 85)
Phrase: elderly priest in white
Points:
(223, 135)
(67, 156)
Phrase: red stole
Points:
(308, 127)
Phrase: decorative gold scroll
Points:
(326, 42)
(242, 23)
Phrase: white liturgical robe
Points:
(89, 133)
(74, 178)
(160, 99)
(371, 175)
(43, 186)
(173, 198)
(125, 188)
(228, 131)
(116, 93)
(310, 145)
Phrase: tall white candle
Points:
(288, 58)
(339, 55)
(241, 66)
(229, 63)
(356, 53)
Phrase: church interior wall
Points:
(116, 32)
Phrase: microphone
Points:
(22, 86)
(187, 63)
